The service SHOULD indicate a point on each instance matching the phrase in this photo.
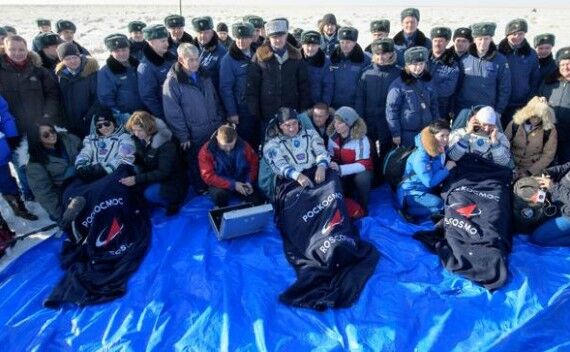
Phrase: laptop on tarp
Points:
(240, 220)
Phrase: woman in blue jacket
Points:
(425, 170)
(412, 100)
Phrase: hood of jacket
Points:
(154, 58)
(409, 79)
(426, 141)
(118, 68)
(536, 107)
(237, 54)
(265, 53)
(356, 55)
(491, 53)
(400, 39)
(33, 58)
(506, 49)
(357, 131)
(88, 66)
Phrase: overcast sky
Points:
(393, 3)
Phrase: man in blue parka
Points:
(175, 25)
(318, 66)
(211, 51)
(410, 35)
(486, 77)
(523, 63)
(154, 67)
(136, 39)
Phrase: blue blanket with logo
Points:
(192, 292)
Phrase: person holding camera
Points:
(482, 137)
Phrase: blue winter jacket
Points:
(371, 96)
(233, 79)
(401, 45)
(547, 67)
(424, 170)
(152, 72)
(321, 78)
(210, 57)
(346, 72)
(525, 72)
(8, 129)
(485, 81)
(411, 105)
(445, 72)
(117, 86)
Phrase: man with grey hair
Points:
(192, 108)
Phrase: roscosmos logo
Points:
(325, 203)
(113, 232)
(336, 220)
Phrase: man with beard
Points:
(175, 25)
(318, 65)
(328, 28)
(211, 51)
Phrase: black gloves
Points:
(91, 173)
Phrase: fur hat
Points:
(222, 27)
(441, 32)
(329, 18)
(136, 26)
(463, 32)
(348, 33)
(347, 114)
(256, 21)
(116, 41)
(3, 32)
(562, 54)
(67, 49)
(157, 31)
(48, 39)
(486, 115)
(410, 12)
(201, 24)
(174, 21)
(63, 25)
(277, 26)
(380, 26)
(311, 37)
(384, 45)
(43, 22)
(416, 54)
(242, 30)
(546, 38)
(10, 29)
(483, 29)
(516, 25)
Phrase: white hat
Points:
(486, 115)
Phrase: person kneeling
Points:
(162, 174)
(350, 151)
(228, 166)
(425, 170)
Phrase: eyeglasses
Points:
(47, 134)
(100, 125)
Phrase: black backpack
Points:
(395, 165)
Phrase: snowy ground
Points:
(95, 22)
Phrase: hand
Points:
(241, 188)
(544, 182)
(494, 136)
(304, 181)
(470, 128)
(320, 174)
(397, 140)
(234, 119)
(185, 145)
(128, 181)
(450, 164)
(334, 166)
(249, 188)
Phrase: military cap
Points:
(43, 22)
(441, 32)
(482, 29)
(203, 23)
(174, 21)
(546, 38)
(256, 21)
(48, 39)
(3, 32)
(311, 37)
(562, 54)
(10, 29)
(410, 12)
(116, 41)
(516, 25)
(136, 26)
(348, 33)
(156, 31)
(384, 45)
(463, 32)
(416, 54)
(277, 26)
(221, 27)
(242, 30)
(63, 25)
(380, 26)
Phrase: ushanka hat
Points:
(222, 27)
(516, 25)
(277, 26)
(463, 32)
(380, 26)
(384, 45)
(63, 25)
(311, 37)
(116, 41)
(546, 38)
(203, 23)
(157, 31)
(67, 49)
(3, 32)
(562, 54)
(174, 21)
(242, 30)
(483, 29)
(10, 29)
(48, 39)
(416, 54)
(43, 22)
(441, 32)
(348, 33)
(136, 26)
(410, 12)
(256, 21)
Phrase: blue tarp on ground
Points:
(195, 293)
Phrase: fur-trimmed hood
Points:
(154, 58)
(448, 58)
(421, 39)
(118, 68)
(491, 53)
(427, 141)
(506, 49)
(357, 131)
(317, 60)
(265, 53)
(237, 54)
(356, 55)
(539, 108)
(88, 66)
(409, 79)
(162, 135)
(33, 57)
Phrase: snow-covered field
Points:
(95, 22)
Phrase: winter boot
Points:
(73, 209)
(18, 207)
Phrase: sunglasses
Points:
(103, 124)
(47, 134)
